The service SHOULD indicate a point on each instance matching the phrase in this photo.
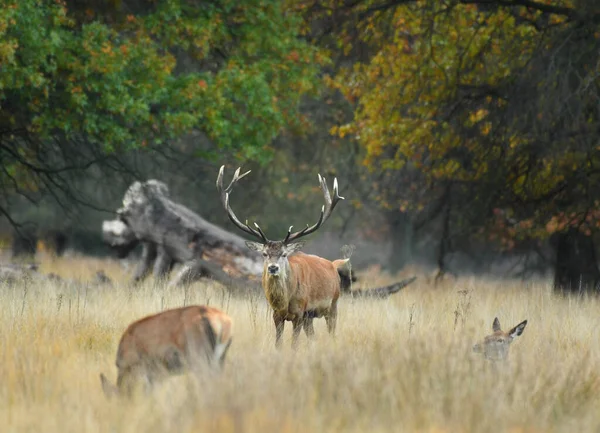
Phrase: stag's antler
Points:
(224, 192)
(325, 211)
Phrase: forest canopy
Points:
(82, 83)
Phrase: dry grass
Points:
(399, 365)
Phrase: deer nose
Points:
(273, 269)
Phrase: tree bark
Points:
(402, 239)
(576, 269)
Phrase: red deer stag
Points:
(170, 342)
(299, 287)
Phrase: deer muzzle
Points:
(273, 269)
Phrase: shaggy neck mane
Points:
(277, 288)
(275, 284)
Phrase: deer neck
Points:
(277, 287)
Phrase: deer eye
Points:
(284, 255)
(264, 255)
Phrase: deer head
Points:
(495, 346)
(275, 253)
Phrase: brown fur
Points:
(170, 342)
(311, 279)
(308, 287)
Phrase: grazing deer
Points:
(170, 342)
(299, 287)
(495, 346)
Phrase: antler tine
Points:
(236, 176)
(336, 197)
(224, 193)
(289, 233)
(325, 211)
(262, 234)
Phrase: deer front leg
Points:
(297, 327)
(297, 324)
(296, 313)
(279, 320)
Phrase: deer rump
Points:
(170, 342)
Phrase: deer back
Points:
(314, 278)
(156, 337)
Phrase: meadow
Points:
(404, 364)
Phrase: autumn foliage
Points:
(492, 102)
(81, 81)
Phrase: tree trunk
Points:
(444, 247)
(576, 269)
(402, 239)
(24, 244)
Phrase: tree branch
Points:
(542, 7)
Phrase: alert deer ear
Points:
(496, 325)
(255, 246)
(517, 330)
(295, 247)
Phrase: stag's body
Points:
(306, 287)
(299, 287)
(170, 342)
(309, 284)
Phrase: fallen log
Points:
(381, 292)
(123, 241)
(171, 233)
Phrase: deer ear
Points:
(292, 248)
(255, 246)
(517, 330)
(496, 325)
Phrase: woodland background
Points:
(464, 134)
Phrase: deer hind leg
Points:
(279, 325)
(331, 318)
(308, 327)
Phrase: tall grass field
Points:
(404, 364)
